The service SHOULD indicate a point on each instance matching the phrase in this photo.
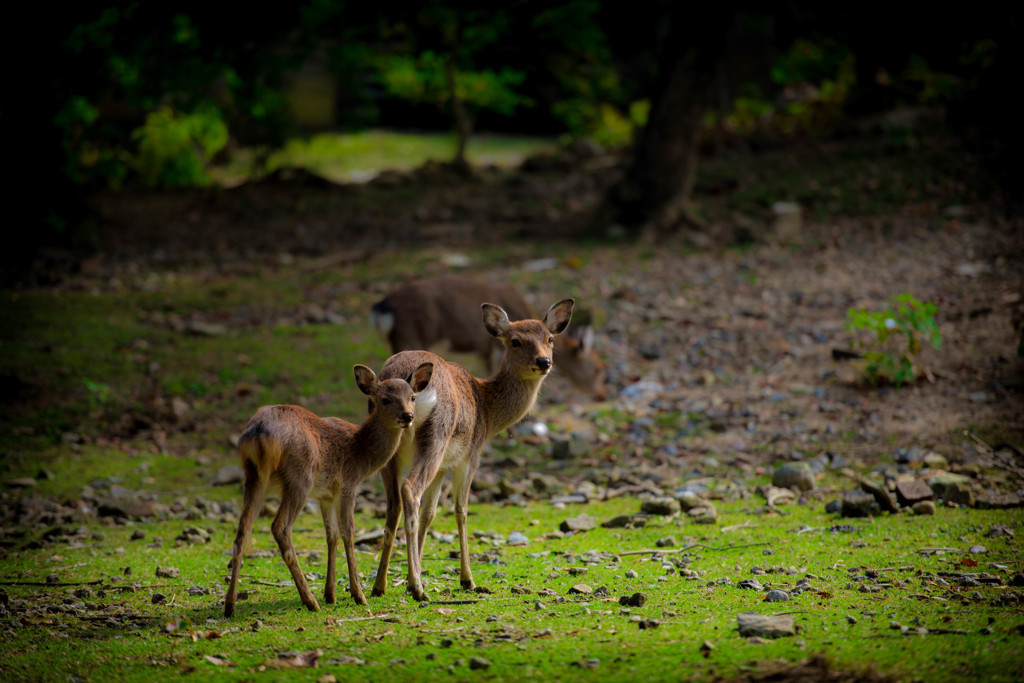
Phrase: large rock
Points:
(583, 522)
(955, 488)
(880, 494)
(126, 506)
(660, 506)
(765, 626)
(913, 491)
(793, 475)
(858, 504)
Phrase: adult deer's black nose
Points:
(544, 363)
(406, 418)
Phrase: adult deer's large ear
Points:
(495, 319)
(558, 316)
(365, 378)
(421, 377)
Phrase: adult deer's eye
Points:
(413, 399)
(551, 340)
(516, 343)
(386, 401)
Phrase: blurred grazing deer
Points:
(463, 414)
(425, 312)
(321, 458)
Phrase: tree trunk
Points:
(659, 179)
(463, 124)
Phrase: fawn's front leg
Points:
(346, 511)
(329, 509)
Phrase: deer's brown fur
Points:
(465, 412)
(423, 313)
(324, 459)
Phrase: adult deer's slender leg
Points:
(389, 474)
(461, 479)
(252, 500)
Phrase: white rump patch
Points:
(382, 322)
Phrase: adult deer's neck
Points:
(507, 399)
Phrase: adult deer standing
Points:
(425, 312)
(464, 413)
(322, 458)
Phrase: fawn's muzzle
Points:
(544, 364)
(405, 418)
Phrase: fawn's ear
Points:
(365, 378)
(421, 377)
(495, 319)
(558, 316)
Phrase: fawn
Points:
(322, 458)
(464, 412)
(425, 312)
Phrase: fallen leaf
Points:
(216, 661)
(968, 562)
(294, 660)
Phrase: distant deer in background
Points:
(423, 313)
(464, 413)
(321, 458)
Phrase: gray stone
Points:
(478, 662)
(167, 572)
(617, 522)
(581, 589)
(634, 600)
(776, 595)
(765, 626)
(793, 475)
(977, 550)
(750, 584)
(924, 507)
(858, 504)
(952, 487)
(660, 506)
(705, 515)
(935, 461)
(582, 522)
(229, 474)
(665, 542)
(125, 506)
(914, 491)
(689, 500)
(882, 497)
(517, 538)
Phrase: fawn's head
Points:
(581, 364)
(393, 400)
(528, 343)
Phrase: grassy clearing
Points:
(119, 633)
(356, 157)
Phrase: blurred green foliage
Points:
(173, 148)
(151, 93)
(895, 337)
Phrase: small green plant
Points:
(888, 358)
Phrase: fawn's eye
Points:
(413, 399)
(516, 343)
(551, 340)
(385, 401)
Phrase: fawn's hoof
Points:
(468, 584)
(360, 599)
(313, 606)
(377, 592)
(418, 595)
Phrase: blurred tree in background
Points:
(150, 94)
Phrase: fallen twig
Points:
(369, 618)
(51, 585)
(932, 550)
(995, 457)
(450, 602)
(661, 551)
(737, 527)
